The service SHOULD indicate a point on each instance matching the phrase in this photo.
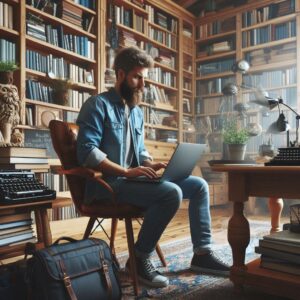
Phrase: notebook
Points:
(180, 165)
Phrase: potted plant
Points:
(60, 91)
(7, 69)
(235, 138)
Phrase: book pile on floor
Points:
(14, 158)
(280, 251)
(16, 229)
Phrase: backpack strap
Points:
(106, 274)
(67, 281)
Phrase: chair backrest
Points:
(64, 138)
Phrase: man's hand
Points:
(155, 166)
(140, 171)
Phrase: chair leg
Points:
(89, 227)
(114, 226)
(130, 241)
(161, 255)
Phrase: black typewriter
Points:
(22, 186)
(286, 157)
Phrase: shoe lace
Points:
(148, 266)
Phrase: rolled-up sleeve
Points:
(90, 122)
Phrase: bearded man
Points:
(111, 140)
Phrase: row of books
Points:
(280, 251)
(216, 27)
(163, 37)
(41, 4)
(162, 19)
(215, 67)
(156, 95)
(36, 90)
(212, 86)
(58, 67)
(266, 13)
(7, 50)
(6, 15)
(161, 76)
(128, 18)
(268, 34)
(16, 229)
(14, 158)
(272, 79)
(55, 36)
(62, 213)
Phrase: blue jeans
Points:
(161, 201)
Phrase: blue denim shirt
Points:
(101, 134)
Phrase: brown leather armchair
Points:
(64, 136)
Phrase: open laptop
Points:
(180, 165)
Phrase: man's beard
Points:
(132, 96)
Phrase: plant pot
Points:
(236, 151)
(6, 77)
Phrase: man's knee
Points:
(175, 196)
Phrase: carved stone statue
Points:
(10, 111)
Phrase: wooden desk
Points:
(260, 181)
(44, 237)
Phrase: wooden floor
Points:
(176, 230)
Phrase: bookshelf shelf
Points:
(269, 44)
(274, 65)
(7, 32)
(218, 75)
(282, 19)
(216, 56)
(128, 4)
(216, 36)
(54, 20)
(167, 87)
(162, 66)
(37, 102)
(86, 9)
(33, 42)
(161, 127)
(161, 28)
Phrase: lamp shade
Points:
(281, 125)
(230, 89)
(241, 66)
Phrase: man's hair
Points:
(129, 58)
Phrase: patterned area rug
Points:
(185, 284)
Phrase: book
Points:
(281, 266)
(22, 152)
(14, 217)
(14, 229)
(16, 238)
(15, 224)
(23, 160)
(11, 234)
(284, 236)
(25, 166)
(293, 258)
(281, 246)
(29, 240)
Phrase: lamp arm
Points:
(297, 115)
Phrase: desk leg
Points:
(46, 227)
(275, 207)
(238, 238)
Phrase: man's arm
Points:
(106, 166)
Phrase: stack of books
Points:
(15, 158)
(16, 229)
(280, 251)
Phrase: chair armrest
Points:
(85, 173)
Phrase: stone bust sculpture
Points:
(10, 110)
